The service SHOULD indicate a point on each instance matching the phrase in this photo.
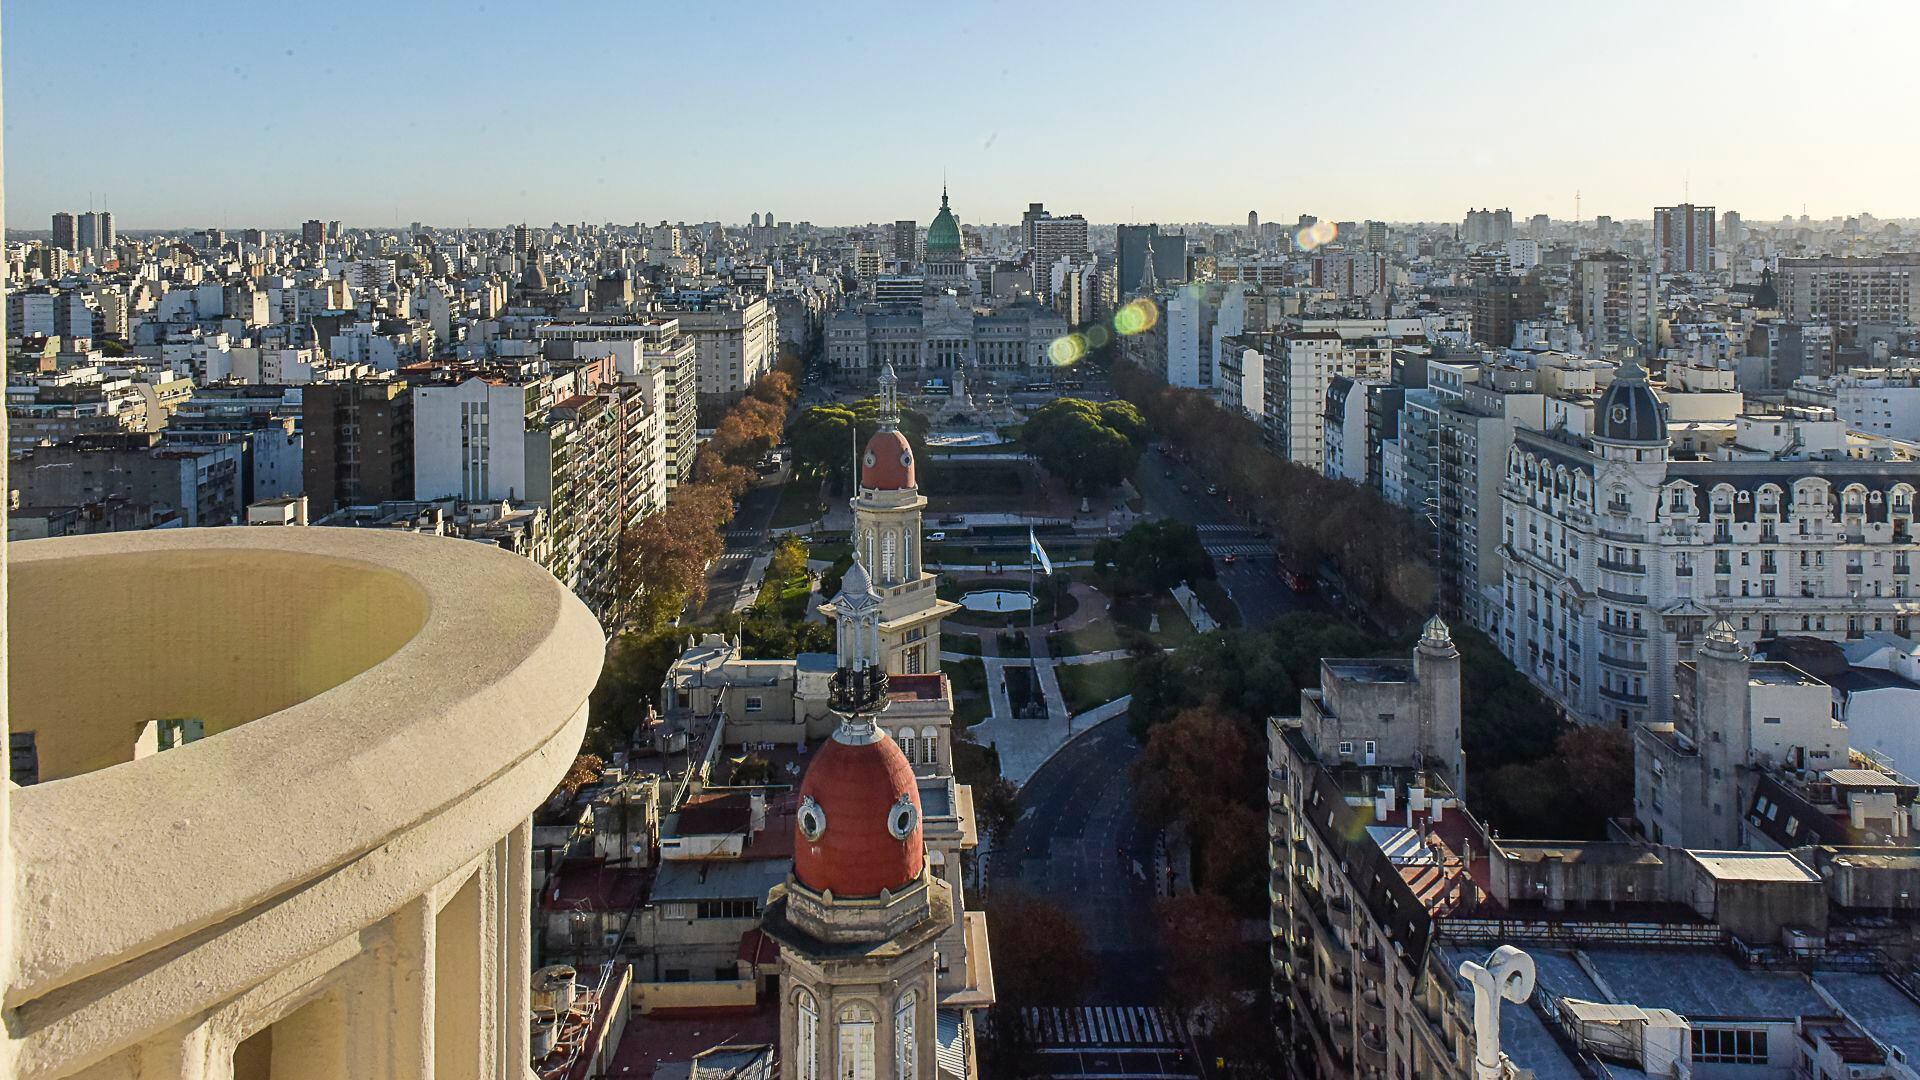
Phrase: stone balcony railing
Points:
(335, 878)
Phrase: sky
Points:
(242, 113)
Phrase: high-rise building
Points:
(1732, 229)
(1846, 292)
(1500, 301)
(1684, 238)
(1611, 301)
(88, 231)
(313, 233)
(1253, 226)
(906, 241)
(65, 235)
(1169, 256)
(1052, 239)
(1487, 226)
(359, 443)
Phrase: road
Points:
(1254, 578)
(746, 536)
(1079, 844)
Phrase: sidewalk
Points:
(1025, 745)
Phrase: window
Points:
(806, 1035)
(726, 909)
(1770, 720)
(856, 1043)
(904, 1051)
(1736, 1047)
(754, 704)
(1346, 747)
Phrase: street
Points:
(1078, 844)
(1254, 579)
(746, 537)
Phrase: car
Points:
(1230, 558)
(938, 537)
(1213, 489)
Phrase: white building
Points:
(1877, 401)
(1622, 547)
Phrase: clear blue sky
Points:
(267, 113)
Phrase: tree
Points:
(1040, 954)
(997, 803)
(1199, 936)
(789, 561)
(1154, 556)
(1093, 446)
(1193, 765)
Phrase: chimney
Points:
(300, 511)
(1383, 805)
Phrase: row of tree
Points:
(1379, 549)
(664, 558)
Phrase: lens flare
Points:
(1136, 317)
(1067, 351)
(1316, 235)
(1097, 336)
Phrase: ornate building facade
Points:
(1621, 549)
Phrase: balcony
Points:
(1373, 1008)
(1621, 663)
(336, 828)
(1372, 965)
(1340, 915)
(1622, 696)
(1620, 597)
(1620, 567)
(1277, 820)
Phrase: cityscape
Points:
(1461, 625)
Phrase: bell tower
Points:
(887, 519)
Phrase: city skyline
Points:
(326, 126)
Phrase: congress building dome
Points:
(943, 236)
(858, 829)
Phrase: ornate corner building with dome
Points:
(880, 966)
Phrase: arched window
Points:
(905, 738)
(806, 1034)
(856, 1043)
(904, 1054)
(889, 556)
(929, 745)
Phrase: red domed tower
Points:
(859, 921)
(887, 512)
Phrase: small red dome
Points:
(858, 828)
(888, 463)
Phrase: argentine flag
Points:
(1039, 553)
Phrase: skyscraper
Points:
(64, 235)
(1683, 238)
(1253, 226)
(1052, 239)
(904, 232)
(88, 234)
(313, 233)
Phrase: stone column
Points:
(517, 1009)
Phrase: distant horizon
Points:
(1418, 113)
(1520, 222)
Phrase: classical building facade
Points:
(1620, 549)
(941, 335)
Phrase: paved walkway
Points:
(1025, 745)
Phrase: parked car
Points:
(1213, 489)
(1229, 558)
(938, 537)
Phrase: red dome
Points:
(888, 463)
(852, 836)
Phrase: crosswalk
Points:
(1255, 551)
(734, 556)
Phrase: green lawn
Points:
(786, 598)
(953, 479)
(800, 503)
(1088, 685)
(970, 702)
(960, 643)
(1127, 622)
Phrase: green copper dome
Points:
(943, 236)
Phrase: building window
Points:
(806, 1035)
(904, 1052)
(754, 704)
(856, 1043)
(1346, 747)
(1734, 1047)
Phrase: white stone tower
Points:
(887, 520)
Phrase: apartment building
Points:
(1607, 958)
(358, 443)
(1850, 291)
(735, 340)
(1621, 547)
(640, 346)
(1612, 301)
(1298, 367)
